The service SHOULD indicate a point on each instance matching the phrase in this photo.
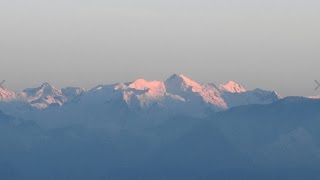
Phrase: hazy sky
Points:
(271, 44)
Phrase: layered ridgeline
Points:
(178, 95)
(273, 141)
(172, 129)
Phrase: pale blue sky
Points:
(272, 44)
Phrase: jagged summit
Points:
(45, 89)
(181, 82)
(182, 78)
(173, 83)
(45, 84)
(42, 86)
(192, 91)
(232, 87)
(46, 94)
(174, 76)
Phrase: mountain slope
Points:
(6, 95)
(256, 96)
(282, 132)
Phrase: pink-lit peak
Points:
(142, 84)
(232, 87)
(6, 94)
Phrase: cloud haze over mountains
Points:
(172, 129)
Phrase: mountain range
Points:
(172, 129)
(178, 94)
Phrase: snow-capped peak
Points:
(142, 84)
(46, 94)
(43, 96)
(232, 87)
(177, 93)
(192, 91)
(45, 89)
(182, 82)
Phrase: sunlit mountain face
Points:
(172, 129)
